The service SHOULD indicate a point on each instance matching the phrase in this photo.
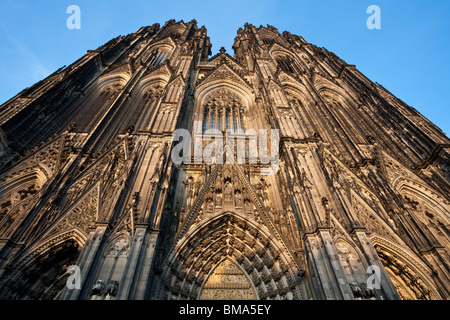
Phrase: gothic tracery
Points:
(87, 177)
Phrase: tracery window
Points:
(287, 64)
(268, 41)
(224, 110)
(175, 35)
(159, 58)
(93, 107)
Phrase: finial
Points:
(222, 50)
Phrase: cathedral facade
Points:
(352, 204)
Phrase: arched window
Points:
(175, 35)
(159, 57)
(288, 64)
(96, 102)
(223, 110)
(268, 41)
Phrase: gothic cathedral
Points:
(94, 207)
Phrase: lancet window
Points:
(288, 64)
(159, 58)
(224, 110)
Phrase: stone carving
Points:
(98, 289)
(358, 168)
(112, 289)
(120, 248)
(361, 291)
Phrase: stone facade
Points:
(88, 179)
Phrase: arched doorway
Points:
(226, 249)
(410, 283)
(44, 276)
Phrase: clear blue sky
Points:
(409, 55)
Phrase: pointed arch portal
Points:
(230, 255)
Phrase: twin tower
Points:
(93, 207)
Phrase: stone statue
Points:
(228, 192)
(98, 289)
(238, 198)
(113, 288)
(357, 293)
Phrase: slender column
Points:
(216, 122)
(209, 119)
(387, 289)
(130, 273)
(224, 118)
(86, 261)
(238, 120)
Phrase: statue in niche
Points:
(181, 213)
(97, 290)
(199, 216)
(112, 289)
(228, 192)
(262, 188)
(238, 199)
(218, 198)
(227, 173)
(247, 206)
(210, 205)
(189, 181)
(219, 182)
(197, 185)
(257, 217)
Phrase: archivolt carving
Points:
(119, 246)
(233, 237)
(47, 243)
(32, 263)
(24, 180)
(406, 269)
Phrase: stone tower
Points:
(352, 202)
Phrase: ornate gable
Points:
(168, 41)
(223, 57)
(178, 80)
(124, 68)
(223, 73)
(81, 215)
(161, 70)
(286, 78)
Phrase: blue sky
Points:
(409, 55)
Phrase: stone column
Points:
(87, 262)
(325, 268)
(387, 290)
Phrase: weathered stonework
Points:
(87, 177)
